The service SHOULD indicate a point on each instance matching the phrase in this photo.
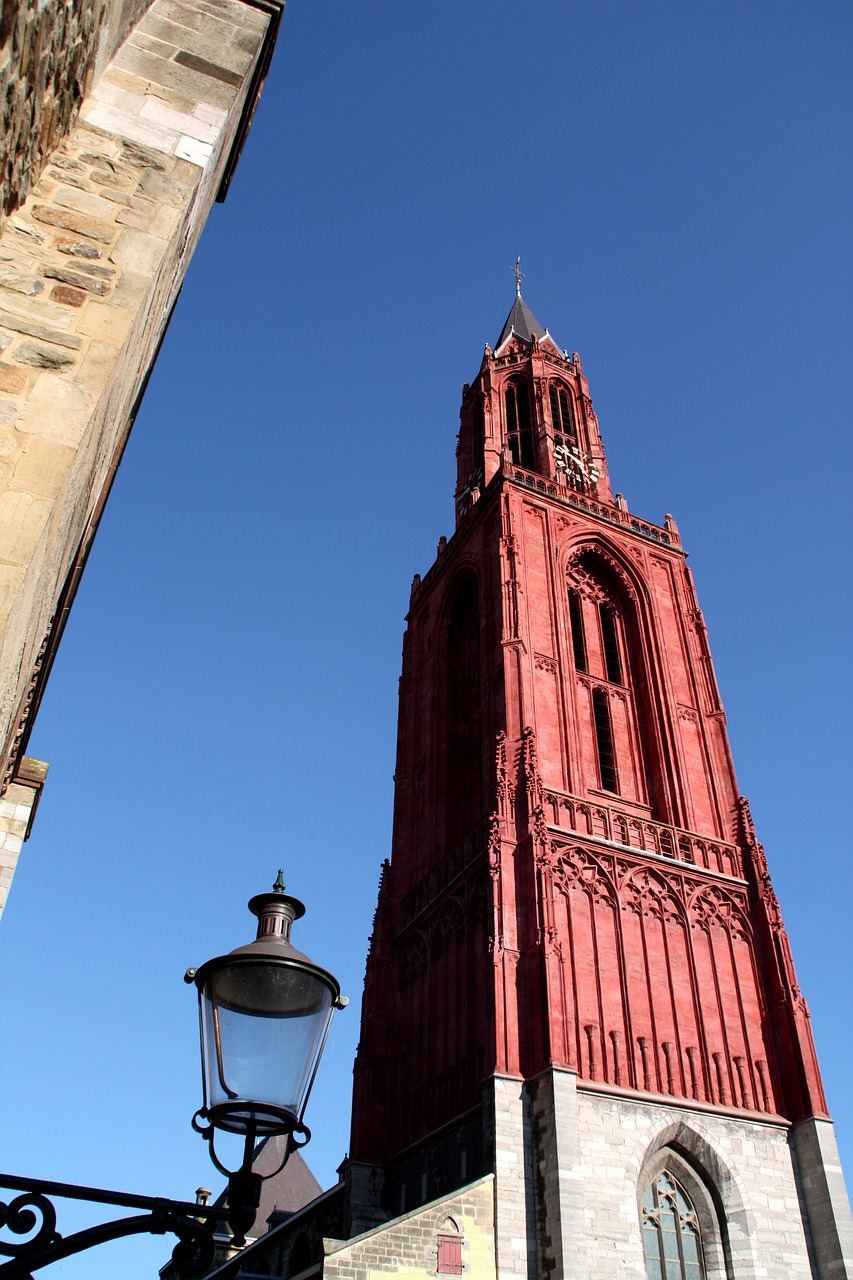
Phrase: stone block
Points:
(12, 380)
(42, 467)
(210, 42)
(152, 45)
(99, 284)
(83, 202)
(96, 367)
(71, 220)
(164, 222)
(30, 353)
(133, 218)
(167, 189)
(211, 115)
(11, 577)
(131, 126)
(138, 251)
(78, 248)
(21, 284)
(124, 80)
(56, 410)
(25, 232)
(213, 70)
(122, 99)
(196, 152)
(38, 310)
(68, 294)
(137, 156)
(105, 321)
(131, 291)
(184, 122)
(19, 324)
(112, 182)
(22, 521)
(127, 201)
(189, 80)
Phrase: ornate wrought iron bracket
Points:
(32, 1214)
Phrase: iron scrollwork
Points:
(33, 1212)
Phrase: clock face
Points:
(472, 485)
(570, 461)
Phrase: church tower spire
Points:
(579, 982)
(529, 408)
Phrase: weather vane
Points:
(519, 274)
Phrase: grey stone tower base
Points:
(573, 1162)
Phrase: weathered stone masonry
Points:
(90, 267)
(50, 50)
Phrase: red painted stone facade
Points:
(574, 879)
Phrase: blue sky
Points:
(677, 181)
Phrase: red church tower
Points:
(579, 981)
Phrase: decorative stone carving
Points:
(714, 907)
(448, 927)
(648, 894)
(579, 869)
(414, 961)
(579, 573)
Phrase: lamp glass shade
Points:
(263, 1023)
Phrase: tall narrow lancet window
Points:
(464, 754)
(604, 742)
(519, 431)
(610, 643)
(578, 634)
(672, 1243)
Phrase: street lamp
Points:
(264, 1014)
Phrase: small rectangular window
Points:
(449, 1256)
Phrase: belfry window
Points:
(610, 643)
(672, 1244)
(519, 432)
(604, 742)
(562, 418)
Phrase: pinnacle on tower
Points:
(521, 321)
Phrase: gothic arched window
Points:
(672, 1242)
(519, 431)
(605, 643)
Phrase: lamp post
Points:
(264, 1015)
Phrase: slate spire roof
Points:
(521, 321)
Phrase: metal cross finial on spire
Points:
(519, 274)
